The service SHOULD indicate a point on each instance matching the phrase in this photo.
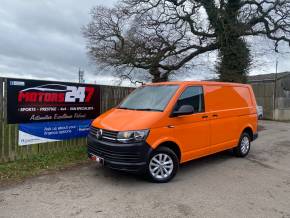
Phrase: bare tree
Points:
(162, 36)
(147, 42)
(227, 24)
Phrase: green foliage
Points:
(37, 164)
(234, 55)
(234, 61)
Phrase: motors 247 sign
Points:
(31, 101)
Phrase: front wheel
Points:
(244, 145)
(162, 165)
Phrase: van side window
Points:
(193, 96)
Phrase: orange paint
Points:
(229, 109)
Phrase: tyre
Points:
(244, 145)
(162, 165)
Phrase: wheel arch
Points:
(249, 130)
(173, 146)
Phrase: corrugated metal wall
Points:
(264, 92)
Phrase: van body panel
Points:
(122, 120)
(194, 131)
(161, 135)
(229, 109)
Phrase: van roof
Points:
(198, 83)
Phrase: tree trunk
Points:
(157, 76)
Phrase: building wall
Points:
(283, 93)
(282, 111)
(264, 92)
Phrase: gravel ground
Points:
(215, 186)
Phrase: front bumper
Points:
(126, 157)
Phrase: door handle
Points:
(215, 115)
(204, 116)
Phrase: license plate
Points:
(97, 159)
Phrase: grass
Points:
(20, 169)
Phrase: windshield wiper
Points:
(146, 109)
(125, 108)
(139, 109)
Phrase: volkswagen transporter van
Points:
(160, 126)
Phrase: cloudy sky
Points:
(42, 39)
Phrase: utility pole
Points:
(275, 89)
(81, 76)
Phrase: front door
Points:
(192, 131)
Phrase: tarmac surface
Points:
(216, 186)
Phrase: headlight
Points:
(132, 136)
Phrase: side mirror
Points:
(183, 110)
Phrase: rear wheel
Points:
(244, 145)
(162, 165)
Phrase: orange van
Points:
(161, 125)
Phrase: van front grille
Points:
(107, 135)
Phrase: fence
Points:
(9, 149)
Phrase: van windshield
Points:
(149, 98)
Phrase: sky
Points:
(42, 39)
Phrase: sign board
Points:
(31, 101)
(41, 132)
